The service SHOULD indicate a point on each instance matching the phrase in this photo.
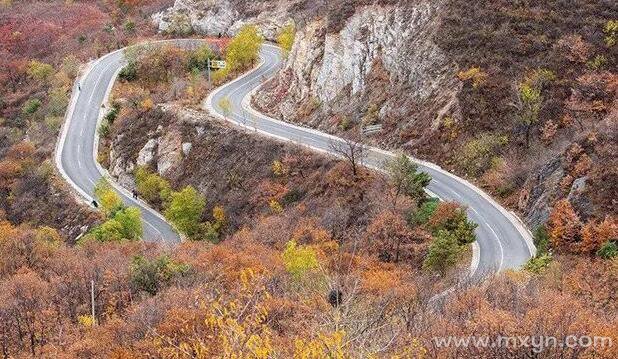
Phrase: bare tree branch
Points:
(352, 150)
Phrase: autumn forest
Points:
(288, 252)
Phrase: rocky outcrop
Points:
(164, 148)
(147, 153)
(163, 151)
(400, 38)
(186, 148)
(214, 17)
(383, 60)
(120, 168)
(169, 152)
(539, 191)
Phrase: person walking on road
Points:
(134, 194)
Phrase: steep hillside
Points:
(447, 80)
(42, 47)
(289, 253)
(449, 91)
(278, 191)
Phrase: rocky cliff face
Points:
(326, 64)
(383, 56)
(225, 17)
(396, 63)
(161, 144)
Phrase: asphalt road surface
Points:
(75, 152)
(502, 240)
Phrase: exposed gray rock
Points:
(214, 17)
(391, 47)
(538, 192)
(578, 186)
(577, 197)
(187, 115)
(186, 148)
(147, 153)
(120, 168)
(323, 65)
(169, 151)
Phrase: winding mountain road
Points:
(76, 150)
(503, 241)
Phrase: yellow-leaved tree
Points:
(223, 327)
(299, 260)
(285, 38)
(108, 199)
(244, 48)
(331, 345)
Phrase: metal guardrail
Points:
(368, 130)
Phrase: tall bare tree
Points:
(352, 150)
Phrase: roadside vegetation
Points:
(42, 46)
(285, 38)
(183, 208)
(121, 222)
(289, 253)
(241, 53)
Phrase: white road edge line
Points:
(80, 194)
(105, 174)
(208, 105)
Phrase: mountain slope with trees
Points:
(291, 253)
